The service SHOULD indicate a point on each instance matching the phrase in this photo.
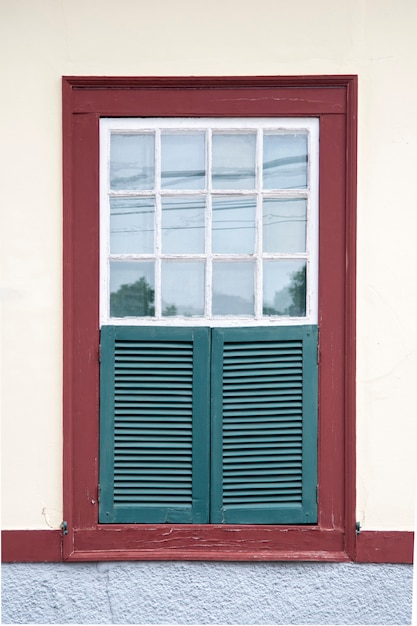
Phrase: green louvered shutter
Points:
(264, 425)
(154, 425)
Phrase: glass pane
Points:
(132, 161)
(234, 225)
(183, 161)
(285, 161)
(183, 225)
(183, 288)
(234, 161)
(233, 288)
(284, 288)
(132, 225)
(132, 290)
(284, 225)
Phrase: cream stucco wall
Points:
(43, 40)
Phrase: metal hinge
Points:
(99, 353)
(98, 492)
(358, 528)
(64, 528)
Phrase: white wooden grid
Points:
(259, 126)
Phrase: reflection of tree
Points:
(170, 310)
(292, 299)
(136, 299)
(297, 290)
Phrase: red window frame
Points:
(333, 99)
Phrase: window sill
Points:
(208, 542)
(197, 543)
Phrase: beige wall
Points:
(43, 40)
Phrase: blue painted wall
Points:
(206, 593)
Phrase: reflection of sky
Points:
(277, 276)
(284, 225)
(128, 272)
(234, 278)
(234, 161)
(233, 288)
(229, 215)
(285, 161)
(132, 161)
(183, 225)
(183, 165)
(132, 225)
(183, 285)
(183, 161)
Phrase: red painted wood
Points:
(81, 356)
(225, 96)
(180, 82)
(211, 96)
(211, 541)
(210, 102)
(30, 546)
(384, 547)
(350, 318)
(331, 321)
(187, 555)
(68, 299)
(206, 543)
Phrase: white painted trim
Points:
(257, 125)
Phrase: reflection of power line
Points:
(202, 227)
(120, 212)
(144, 178)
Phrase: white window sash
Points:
(207, 125)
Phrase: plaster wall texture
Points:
(44, 40)
(206, 593)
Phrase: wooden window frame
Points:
(258, 127)
(334, 100)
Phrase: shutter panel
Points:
(154, 425)
(264, 425)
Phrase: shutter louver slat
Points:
(152, 422)
(145, 447)
(264, 419)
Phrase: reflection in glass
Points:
(284, 225)
(285, 288)
(234, 161)
(233, 288)
(183, 161)
(285, 161)
(132, 289)
(132, 225)
(132, 161)
(183, 225)
(183, 288)
(234, 224)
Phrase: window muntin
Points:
(209, 221)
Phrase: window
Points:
(206, 220)
(210, 221)
(237, 329)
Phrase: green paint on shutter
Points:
(154, 425)
(264, 425)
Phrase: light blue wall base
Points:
(206, 593)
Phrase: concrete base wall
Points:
(206, 593)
